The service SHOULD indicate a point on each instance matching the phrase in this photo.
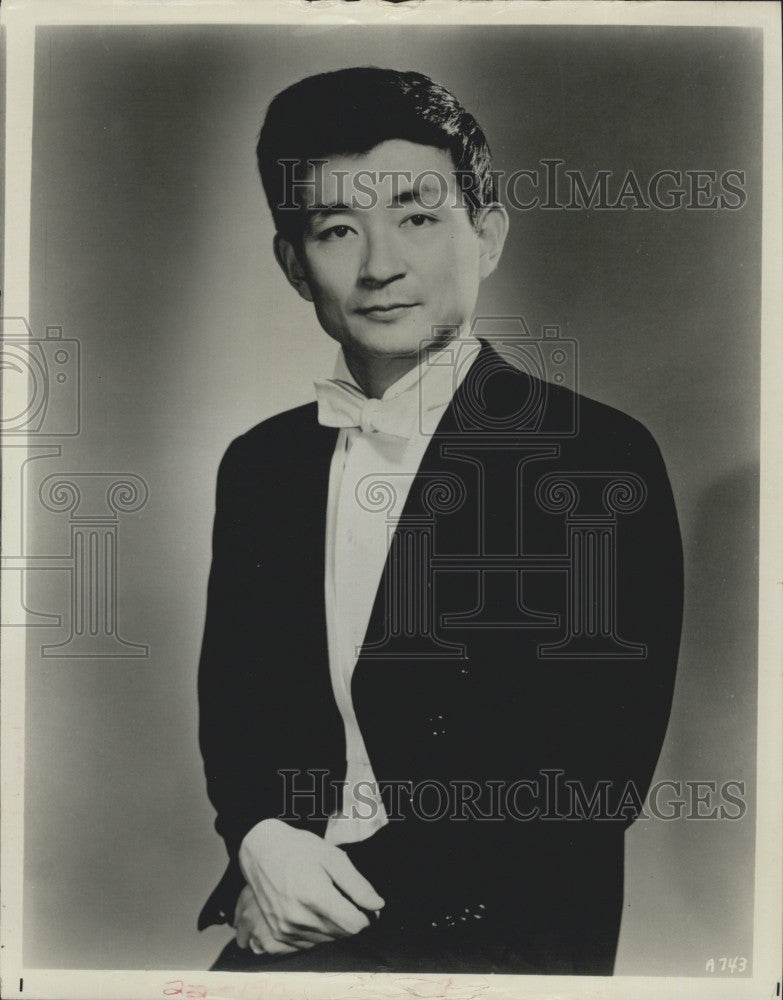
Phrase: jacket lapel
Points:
(440, 515)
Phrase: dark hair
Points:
(349, 112)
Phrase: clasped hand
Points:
(301, 891)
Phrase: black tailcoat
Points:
(540, 558)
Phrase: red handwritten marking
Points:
(422, 989)
(440, 989)
(177, 988)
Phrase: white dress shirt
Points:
(358, 535)
(359, 528)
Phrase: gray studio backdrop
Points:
(151, 247)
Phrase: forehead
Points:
(391, 167)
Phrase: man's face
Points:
(388, 251)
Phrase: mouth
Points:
(387, 312)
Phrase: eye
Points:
(335, 233)
(418, 221)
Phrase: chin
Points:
(388, 342)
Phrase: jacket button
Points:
(438, 724)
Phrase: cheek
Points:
(460, 254)
(458, 270)
(330, 280)
(329, 298)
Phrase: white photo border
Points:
(19, 20)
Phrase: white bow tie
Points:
(343, 405)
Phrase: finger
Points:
(343, 915)
(245, 919)
(279, 948)
(306, 921)
(262, 938)
(351, 881)
(244, 898)
(315, 937)
(327, 912)
(300, 944)
(243, 934)
(261, 931)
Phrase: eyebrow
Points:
(335, 208)
(407, 197)
(412, 194)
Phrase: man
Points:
(445, 600)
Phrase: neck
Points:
(375, 375)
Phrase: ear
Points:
(286, 256)
(492, 229)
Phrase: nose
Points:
(383, 262)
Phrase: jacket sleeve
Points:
(228, 672)
(589, 728)
(649, 592)
(617, 708)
